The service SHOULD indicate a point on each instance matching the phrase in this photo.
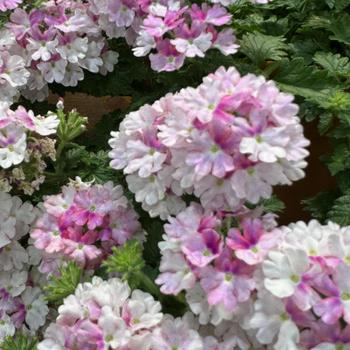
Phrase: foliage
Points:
(59, 287)
(19, 342)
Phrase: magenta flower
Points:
(253, 245)
(202, 248)
(337, 292)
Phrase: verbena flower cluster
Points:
(54, 43)
(227, 141)
(167, 31)
(59, 40)
(204, 159)
(107, 315)
(82, 224)
(216, 256)
(287, 288)
(24, 147)
(22, 303)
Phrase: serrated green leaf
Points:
(320, 205)
(19, 342)
(340, 159)
(335, 64)
(325, 122)
(343, 181)
(340, 5)
(273, 205)
(59, 287)
(298, 74)
(316, 22)
(340, 212)
(340, 28)
(127, 261)
(259, 47)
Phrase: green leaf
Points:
(340, 212)
(19, 342)
(259, 47)
(127, 261)
(343, 181)
(273, 205)
(340, 159)
(325, 122)
(340, 27)
(330, 3)
(320, 205)
(337, 101)
(340, 5)
(59, 287)
(299, 75)
(335, 64)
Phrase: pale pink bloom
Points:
(120, 13)
(227, 288)
(225, 42)
(194, 46)
(175, 274)
(215, 15)
(9, 4)
(167, 59)
(176, 334)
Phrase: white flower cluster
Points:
(22, 304)
(54, 43)
(228, 141)
(107, 315)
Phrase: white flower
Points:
(75, 50)
(143, 159)
(249, 184)
(12, 153)
(229, 336)
(46, 126)
(283, 271)
(214, 314)
(7, 228)
(13, 281)
(13, 257)
(14, 70)
(193, 47)
(73, 75)
(92, 61)
(111, 293)
(144, 44)
(148, 190)
(41, 50)
(110, 59)
(54, 338)
(114, 329)
(268, 146)
(142, 310)
(53, 71)
(36, 308)
(176, 334)
(175, 273)
(270, 319)
(7, 328)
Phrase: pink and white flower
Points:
(84, 222)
